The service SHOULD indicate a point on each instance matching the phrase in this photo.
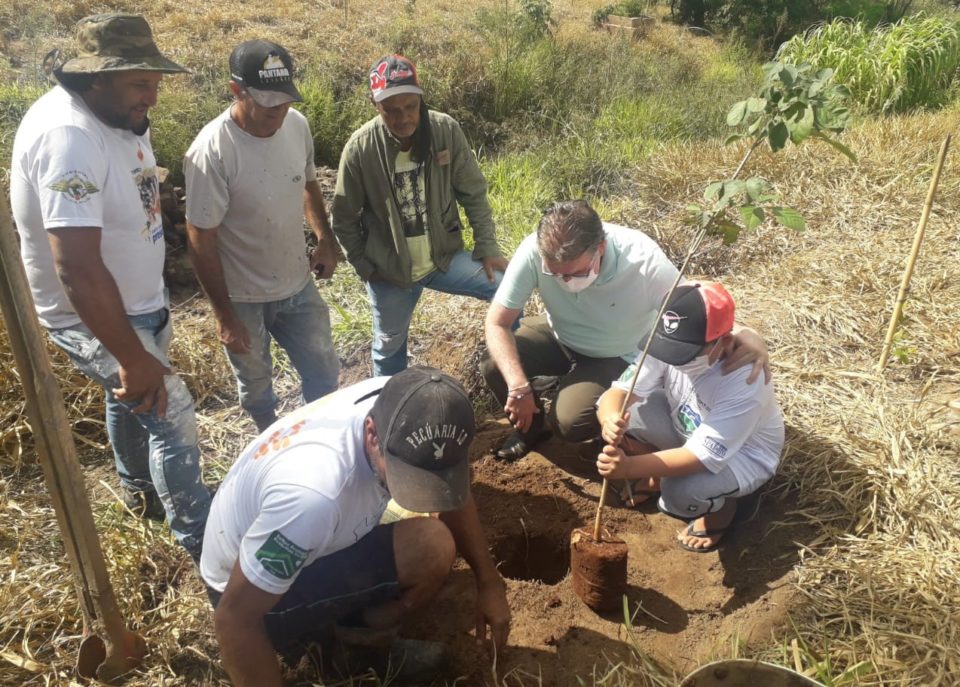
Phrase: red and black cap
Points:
(393, 75)
(425, 423)
(696, 314)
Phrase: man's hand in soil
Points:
(612, 463)
(493, 611)
(143, 382)
(495, 263)
(233, 334)
(612, 428)
(520, 411)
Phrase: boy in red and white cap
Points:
(699, 438)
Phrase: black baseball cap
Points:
(425, 423)
(393, 75)
(265, 70)
(696, 314)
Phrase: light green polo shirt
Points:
(609, 317)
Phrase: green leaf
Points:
(752, 216)
(727, 230)
(777, 135)
(837, 145)
(737, 113)
(789, 218)
(801, 129)
(757, 188)
(694, 209)
(712, 191)
(733, 187)
(788, 75)
(756, 105)
(732, 138)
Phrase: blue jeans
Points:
(301, 325)
(150, 452)
(393, 306)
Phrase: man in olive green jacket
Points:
(395, 212)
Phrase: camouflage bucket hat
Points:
(117, 42)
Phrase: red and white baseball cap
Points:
(393, 75)
(696, 314)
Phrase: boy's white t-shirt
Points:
(252, 187)
(302, 490)
(69, 169)
(727, 422)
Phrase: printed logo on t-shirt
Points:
(408, 187)
(715, 447)
(149, 189)
(689, 418)
(278, 440)
(75, 185)
(281, 557)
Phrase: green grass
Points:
(15, 100)
(908, 65)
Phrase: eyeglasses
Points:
(570, 275)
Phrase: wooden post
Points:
(57, 455)
(911, 261)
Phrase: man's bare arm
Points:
(205, 257)
(245, 647)
(93, 293)
(324, 258)
(502, 346)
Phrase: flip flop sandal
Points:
(690, 532)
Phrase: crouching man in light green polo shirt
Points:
(601, 285)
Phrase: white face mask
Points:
(696, 367)
(577, 284)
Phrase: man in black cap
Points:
(294, 541)
(403, 177)
(86, 200)
(251, 181)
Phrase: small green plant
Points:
(912, 63)
(794, 104)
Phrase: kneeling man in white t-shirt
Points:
(295, 550)
(699, 438)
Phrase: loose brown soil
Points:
(685, 606)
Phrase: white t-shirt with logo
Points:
(303, 489)
(70, 169)
(251, 187)
(727, 422)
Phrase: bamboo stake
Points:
(911, 261)
(597, 521)
(57, 455)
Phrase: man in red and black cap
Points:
(402, 177)
(700, 438)
(295, 547)
(251, 181)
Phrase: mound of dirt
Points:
(683, 605)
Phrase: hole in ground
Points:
(538, 558)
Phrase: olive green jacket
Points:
(366, 217)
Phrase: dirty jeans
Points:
(301, 325)
(150, 452)
(392, 306)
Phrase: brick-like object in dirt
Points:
(599, 569)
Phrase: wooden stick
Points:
(56, 449)
(911, 261)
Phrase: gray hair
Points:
(567, 230)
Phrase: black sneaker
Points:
(403, 660)
(144, 504)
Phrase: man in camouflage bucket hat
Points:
(86, 200)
